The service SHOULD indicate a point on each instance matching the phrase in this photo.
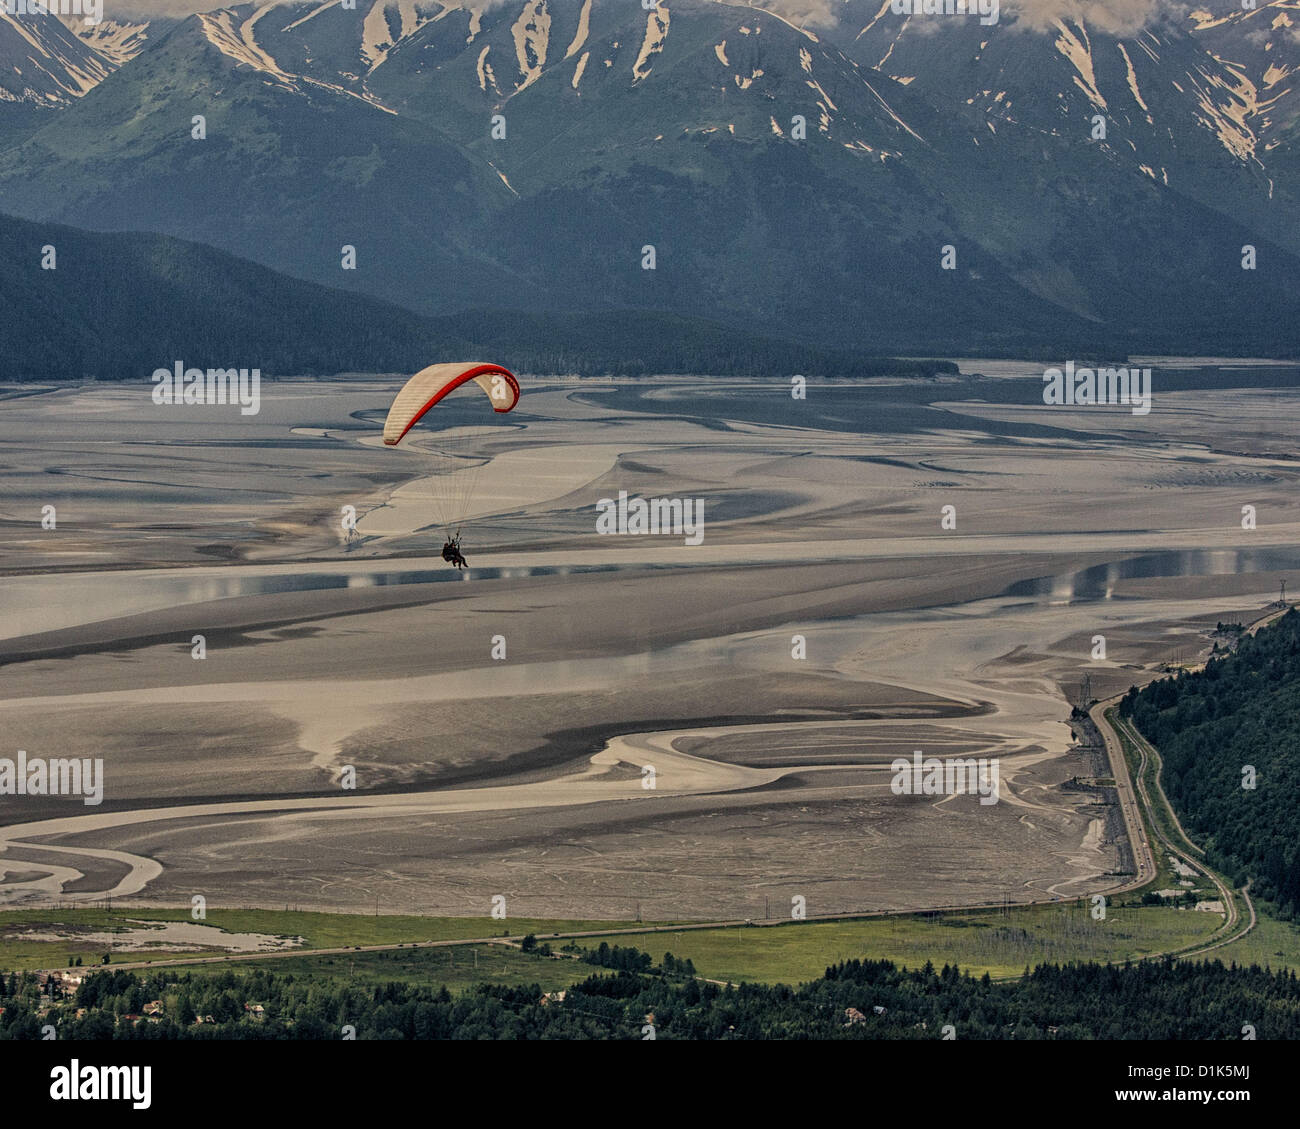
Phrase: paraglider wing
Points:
(430, 385)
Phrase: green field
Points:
(1273, 943)
(457, 968)
(999, 942)
(991, 941)
(318, 930)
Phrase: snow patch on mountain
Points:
(1133, 83)
(312, 14)
(1203, 20)
(796, 27)
(484, 69)
(584, 29)
(502, 175)
(376, 39)
(532, 35)
(1275, 74)
(1075, 46)
(1228, 120)
(387, 23)
(118, 42)
(890, 111)
(884, 7)
(656, 35)
(41, 61)
(239, 43)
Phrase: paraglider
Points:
(451, 485)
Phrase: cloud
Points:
(803, 13)
(127, 10)
(1112, 17)
(131, 11)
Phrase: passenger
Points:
(451, 553)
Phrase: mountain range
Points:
(117, 306)
(527, 155)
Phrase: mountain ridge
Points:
(676, 130)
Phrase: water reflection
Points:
(31, 605)
(1098, 582)
(34, 604)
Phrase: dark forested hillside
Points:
(1212, 728)
(87, 305)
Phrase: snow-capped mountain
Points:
(1186, 100)
(43, 63)
(1261, 46)
(117, 41)
(49, 61)
(524, 153)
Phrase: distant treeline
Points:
(1238, 718)
(853, 1000)
(644, 343)
(82, 305)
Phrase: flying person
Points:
(451, 552)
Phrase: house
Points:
(852, 1016)
(552, 997)
(153, 1007)
(878, 1010)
